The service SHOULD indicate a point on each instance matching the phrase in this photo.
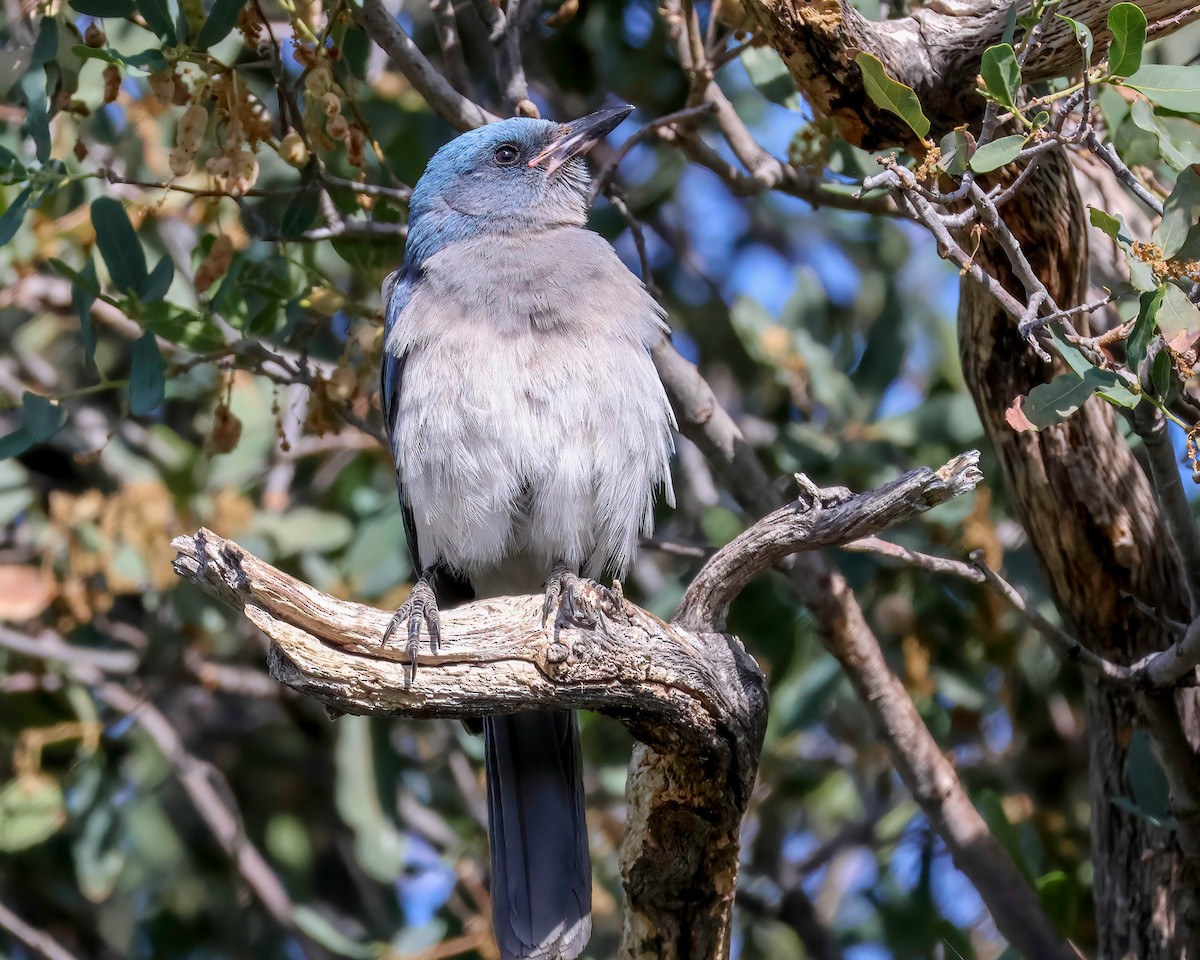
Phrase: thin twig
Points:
(923, 561)
(451, 105)
(1109, 156)
(1151, 426)
(1035, 290)
(653, 128)
(1066, 645)
(49, 645)
(399, 194)
(446, 25)
(818, 518)
(506, 42)
(36, 940)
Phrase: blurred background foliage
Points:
(191, 332)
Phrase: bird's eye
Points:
(506, 155)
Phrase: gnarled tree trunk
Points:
(1094, 523)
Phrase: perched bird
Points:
(530, 433)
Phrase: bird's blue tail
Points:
(541, 870)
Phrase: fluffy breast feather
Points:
(531, 422)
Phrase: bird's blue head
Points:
(516, 175)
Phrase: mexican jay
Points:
(530, 433)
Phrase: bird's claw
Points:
(420, 607)
(564, 589)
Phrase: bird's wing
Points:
(397, 289)
(449, 586)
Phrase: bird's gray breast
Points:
(531, 425)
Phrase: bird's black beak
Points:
(578, 137)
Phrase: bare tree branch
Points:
(451, 105)
(36, 940)
(814, 521)
(446, 24)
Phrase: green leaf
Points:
(1176, 88)
(379, 846)
(42, 418)
(801, 701)
(10, 220)
(997, 153)
(1181, 211)
(85, 278)
(158, 18)
(221, 19)
(1141, 274)
(892, 95)
(1146, 327)
(85, 52)
(104, 8)
(954, 147)
(300, 213)
(1003, 829)
(320, 930)
(1191, 245)
(1105, 221)
(16, 443)
(1010, 23)
(1122, 396)
(37, 114)
(46, 45)
(356, 49)
(1177, 155)
(1053, 402)
(1113, 106)
(119, 245)
(158, 282)
(363, 253)
(770, 75)
(305, 530)
(1059, 900)
(1001, 74)
(1127, 24)
(1069, 352)
(1178, 319)
(147, 379)
(146, 62)
(99, 857)
(11, 166)
(1162, 374)
(32, 810)
(180, 326)
(1083, 36)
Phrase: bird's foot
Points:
(566, 590)
(420, 607)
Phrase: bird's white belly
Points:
(519, 454)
